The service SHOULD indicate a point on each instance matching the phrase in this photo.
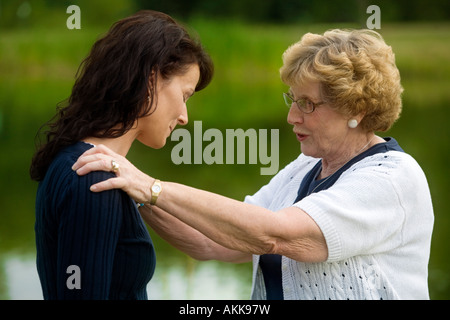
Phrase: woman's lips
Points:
(301, 137)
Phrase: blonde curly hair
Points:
(356, 71)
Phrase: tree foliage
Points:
(14, 13)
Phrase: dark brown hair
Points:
(112, 88)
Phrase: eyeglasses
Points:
(304, 104)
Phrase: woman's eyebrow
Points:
(303, 96)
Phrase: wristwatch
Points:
(156, 190)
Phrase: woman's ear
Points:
(151, 83)
(354, 121)
(151, 92)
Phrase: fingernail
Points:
(93, 188)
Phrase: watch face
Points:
(156, 188)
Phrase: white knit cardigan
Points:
(377, 220)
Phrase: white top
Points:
(377, 220)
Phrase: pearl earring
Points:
(352, 123)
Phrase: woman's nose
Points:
(183, 117)
(295, 115)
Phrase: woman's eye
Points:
(187, 96)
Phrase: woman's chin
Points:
(307, 151)
(154, 144)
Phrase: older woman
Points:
(350, 218)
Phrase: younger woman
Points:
(133, 85)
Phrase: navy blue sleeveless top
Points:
(270, 264)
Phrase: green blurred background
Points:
(39, 57)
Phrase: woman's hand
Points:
(128, 178)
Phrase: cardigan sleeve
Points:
(367, 209)
(88, 231)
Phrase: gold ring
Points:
(115, 166)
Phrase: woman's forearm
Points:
(230, 223)
(245, 227)
(188, 239)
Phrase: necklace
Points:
(324, 180)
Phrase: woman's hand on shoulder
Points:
(128, 178)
